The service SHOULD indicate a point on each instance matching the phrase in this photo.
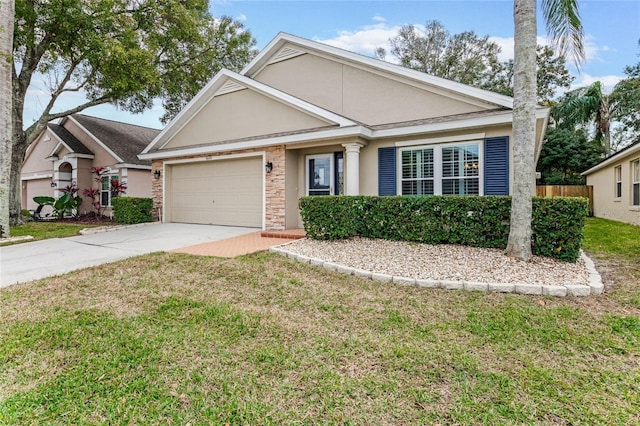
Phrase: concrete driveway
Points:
(45, 258)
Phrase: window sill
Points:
(617, 200)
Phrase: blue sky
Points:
(612, 30)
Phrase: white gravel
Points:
(441, 262)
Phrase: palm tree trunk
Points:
(524, 129)
(6, 106)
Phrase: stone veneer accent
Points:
(274, 184)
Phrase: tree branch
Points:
(36, 128)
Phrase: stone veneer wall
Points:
(274, 191)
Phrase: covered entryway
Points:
(217, 192)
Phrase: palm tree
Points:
(6, 104)
(565, 29)
(590, 105)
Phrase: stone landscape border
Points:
(594, 281)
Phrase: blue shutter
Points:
(387, 171)
(496, 166)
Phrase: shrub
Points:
(474, 221)
(132, 209)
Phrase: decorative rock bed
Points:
(448, 266)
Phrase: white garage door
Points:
(222, 192)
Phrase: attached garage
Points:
(33, 188)
(217, 192)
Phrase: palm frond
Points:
(564, 26)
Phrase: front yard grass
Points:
(48, 229)
(261, 339)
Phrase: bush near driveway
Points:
(557, 223)
(130, 210)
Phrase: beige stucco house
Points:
(65, 153)
(305, 118)
(616, 186)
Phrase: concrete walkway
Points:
(45, 258)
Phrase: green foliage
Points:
(565, 154)
(474, 221)
(127, 53)
(470, 59)
(66, 204)
(132, 209)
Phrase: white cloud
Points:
(241, 18)
(608, 81)
(379, 18)
(364, 40)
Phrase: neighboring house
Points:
(304, 118)
(65, 153)
(616, 186)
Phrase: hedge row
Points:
(557, 223)
(132, 209)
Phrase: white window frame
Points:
(437, 159)
(111, 178)
(635, 180)
(617, 182)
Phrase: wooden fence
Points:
(585, 191)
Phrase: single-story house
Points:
(616, 185)
(305, 118)
(65, 153)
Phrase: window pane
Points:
(417, 172)
(636, 171)
(105, 183)
(104, 198)
(618, 189)
(636, 194)
(460, 187)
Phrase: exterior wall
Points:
(242, 114)
(138, 182)
(292, 184)
(605, 204)
(35, 162)
(362, 95)
(275, 206)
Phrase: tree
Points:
(591, 105)
(127, 53)
(565, 29)
(469, 59)
(6, 37)
(466, 57)
(551, 75)
(565, 154)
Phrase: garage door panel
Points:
(221, 192)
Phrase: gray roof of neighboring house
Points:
(71, 141)
(125, 140)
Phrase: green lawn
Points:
(261, 339)
(43, 230)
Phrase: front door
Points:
(320, 178)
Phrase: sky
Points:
(612, 34)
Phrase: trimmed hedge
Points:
(557, 223)
(130, 210)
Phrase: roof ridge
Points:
(114, 121)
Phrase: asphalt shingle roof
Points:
(71, 141)
(125, 140)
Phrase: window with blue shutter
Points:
(387, 171)
(496, 166)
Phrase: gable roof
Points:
(226, 81)
(278, 50)
(70, 141)
(122, 140)
(631, 149)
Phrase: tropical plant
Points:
(65, 204)
(565, 29)
(593, 106)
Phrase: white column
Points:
(352, 168)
